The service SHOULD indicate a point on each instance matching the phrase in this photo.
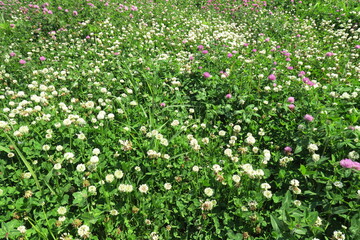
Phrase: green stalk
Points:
(27, 164)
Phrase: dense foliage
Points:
(179, 119)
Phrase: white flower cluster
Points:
(193, 142)
(266, 192)
(208, 205)
(158, 136)
(338, 235)
(285, 160)
(295, 186)
(84, 231)
(125, 188)
(266, 157)
(126, 145)
(248, 170)
(153, 154)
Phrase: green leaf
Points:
(300, 231)
(5, 149)
(276, 224)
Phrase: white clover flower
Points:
(1, 192)
(62, 210)
(24, 129)
(195, 168)
(315, 157)
(21, 229)
(57, 166)
(68, 155)
(250, 140)
(228, 152)
(208, 205)
(294, 182)
(318, 222)
(80, 167)
(205, 140)
(209, 192)
(338, 184)
(167, 186)
(236, 178)
(94, 159)
(297, 203)
(143, 188)
(175, 123)
(267, 194)
(216, 168)
(353, 155)
(46, 147)
(109, 178)
(265, 186)
(96, 151)
(154, 236)
(338, 235)
(84, 231)
(92, 190)
(118, 174)
(312, 147)
(222, 133)
(114, 212)
(237, 128)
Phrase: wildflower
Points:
(167, 186)
(312, 147)
(236, 178)
(308, 118)
(265, 186)
(80, 168)
(353, 155)
(297, 203)
(208, 205)
(206, 75)
(272, 77)
(83, 231)
(12, 54)
(195, 168)
(75, 13)
(109, 178)
(291, 99)
(315, 157)
(143, 188)
(318, 222)
(57, 166)
(338, 235)
(228, 96)
(338, 184)
(216, 168)
(22, 61)
(118, 174)
(250, 139)
(267, 194)
(42, 58)
(288, 149)
(291, 107)
(92, 190)
(209, 192)
(62, 210)
(21, 229)
(162, 104)
(154, 236)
